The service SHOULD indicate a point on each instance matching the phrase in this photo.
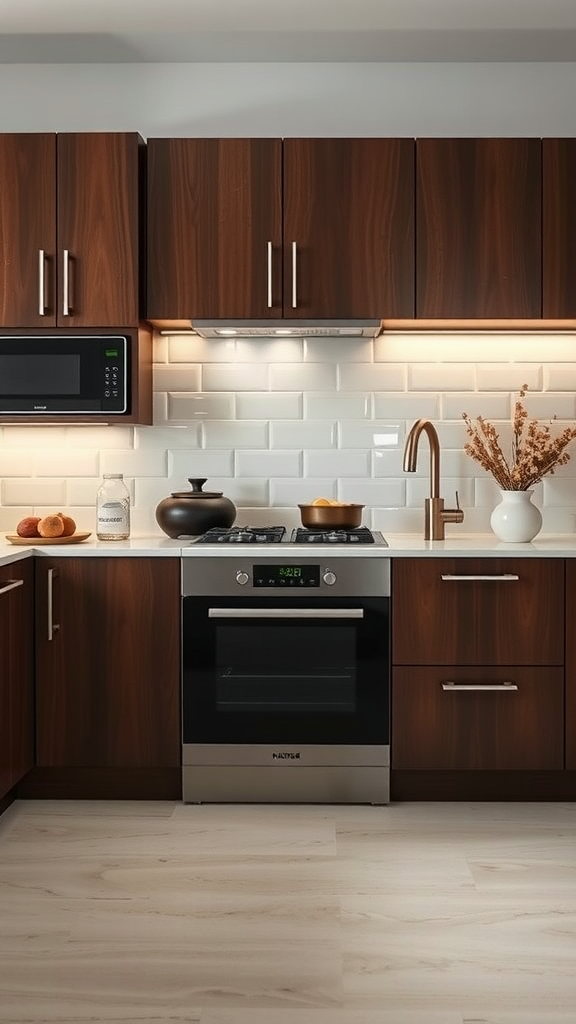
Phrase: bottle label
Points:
(113, 518)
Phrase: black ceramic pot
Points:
(191, 513)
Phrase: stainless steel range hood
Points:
(287, 328)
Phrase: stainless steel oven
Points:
(286, 678)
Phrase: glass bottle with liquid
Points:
(113, 508)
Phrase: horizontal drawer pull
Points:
(505, 577)
(502, 687)
(11, 585)
(285, 613)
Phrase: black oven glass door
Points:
(305, 670)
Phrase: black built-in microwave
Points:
(48, 374)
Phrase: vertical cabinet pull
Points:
(53, 627)
(294, 276)
(41, 282)
(269, 274)
(11, 585)
(66, 282)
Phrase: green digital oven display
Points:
(284, 577)
(112, 353)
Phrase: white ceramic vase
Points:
(515, 519)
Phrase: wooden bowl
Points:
(335, 517)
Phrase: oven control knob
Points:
(329, 578)
(242, 577)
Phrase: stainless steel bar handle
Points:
(11, 586)
(505, 687)
(53, 627)
(505, 577)
(65, 282)
(269, 272)
(285, 613)
(42, 282)
(294, 276)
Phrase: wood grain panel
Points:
(16, 674)
(99, 184)
(437, 622)
(515, 729)
(559, 227)
(571, 664)
(27, 225)
(478, 237)
(213, 207)
(108, 683)
(349, 206)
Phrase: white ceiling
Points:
(189, 31)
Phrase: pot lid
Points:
(197, 492)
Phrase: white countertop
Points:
(409, 545)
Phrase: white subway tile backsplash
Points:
(371, 434)
(235, 377)
(341, 407)
(267, 464)
(372, 377)
(441, 377)
(269, 350)
(491, 407)
(269, 406)
(336, 463)
(236, 433)
(199, 406)
(176, 377)
(303, 377)
(303, 434)
(50, 494)
(407, 406)
(509, 376)
(338, 350)
(200, 463)
(273, 422)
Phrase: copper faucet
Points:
(435, 514)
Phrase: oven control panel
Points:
(284, 577)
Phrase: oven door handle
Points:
(285, 613)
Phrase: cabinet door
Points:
(478, 237)
(348, 228)
(214, 228)
(98, 229)
(108, 643)
(27, 230)
(517, 726)
(571, 664)
(474, 611)
(16, 673)
(559, 227)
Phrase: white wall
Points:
(291, 99)
(280, 422)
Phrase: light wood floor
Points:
(151, 913)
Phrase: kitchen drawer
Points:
(439, 727)
(478, 611)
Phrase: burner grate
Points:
(360, 535)
(243, 535)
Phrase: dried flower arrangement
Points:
(534, 451)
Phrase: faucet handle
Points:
(453, 515)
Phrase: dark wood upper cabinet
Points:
(71, 251)
(559, 228)
(478, 228)
(265, 229)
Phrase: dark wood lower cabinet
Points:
(16, 673)
(108, 663)
(446, 718)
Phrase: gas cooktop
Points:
(279, 535)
